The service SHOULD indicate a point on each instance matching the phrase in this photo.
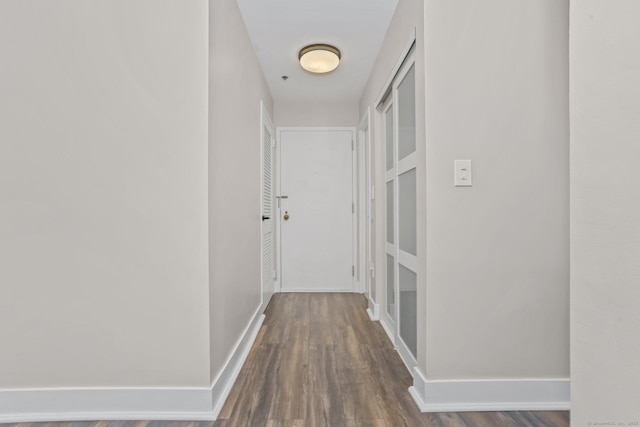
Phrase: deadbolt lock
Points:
(286, 215)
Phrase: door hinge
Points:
(353, 271)
(352, 145)
(274, 274)
(353, 207)
(373, 192)
(273, 143)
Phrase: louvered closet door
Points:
(268, 242)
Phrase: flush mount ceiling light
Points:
(319, 58)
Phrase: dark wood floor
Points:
(319, 361)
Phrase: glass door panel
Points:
(388, 136)
(391, 303)
(408, 307)
(407, 115)
(407, 235)
(390, 206)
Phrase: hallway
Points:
(319, 361)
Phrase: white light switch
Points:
(462, 171)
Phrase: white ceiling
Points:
(280, 28)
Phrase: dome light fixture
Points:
(319, 58)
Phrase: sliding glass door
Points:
(399, 114)
(389, 120)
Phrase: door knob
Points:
(286, 215)
(264, 218)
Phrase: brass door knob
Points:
(286, 215)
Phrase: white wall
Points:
(498, 252)
(236, 88)
(103, 188)
(605, 235)
(320, 114)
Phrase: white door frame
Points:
(355, 203)
(367, 195)
(361, 206)
(279, 131)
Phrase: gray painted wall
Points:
(318, 114)
(103, 189)
(236, 89)
(605, 232)
(498, 252)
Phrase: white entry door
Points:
(316, 210)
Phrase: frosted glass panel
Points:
(390, 211)
(408, 308)
(388, 136)
(407, 212)
(391, 301)
(407, 115)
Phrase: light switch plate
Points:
(462, 173)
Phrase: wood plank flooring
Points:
(319, 361)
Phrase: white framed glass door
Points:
(390, 187)
(406, 209)
(399, 117)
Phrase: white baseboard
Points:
(318, 290)
(373, 311)
(388, 330)
(489, 395)
(170, 403)
(88, 404)
(265, 302)
(227, 377)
